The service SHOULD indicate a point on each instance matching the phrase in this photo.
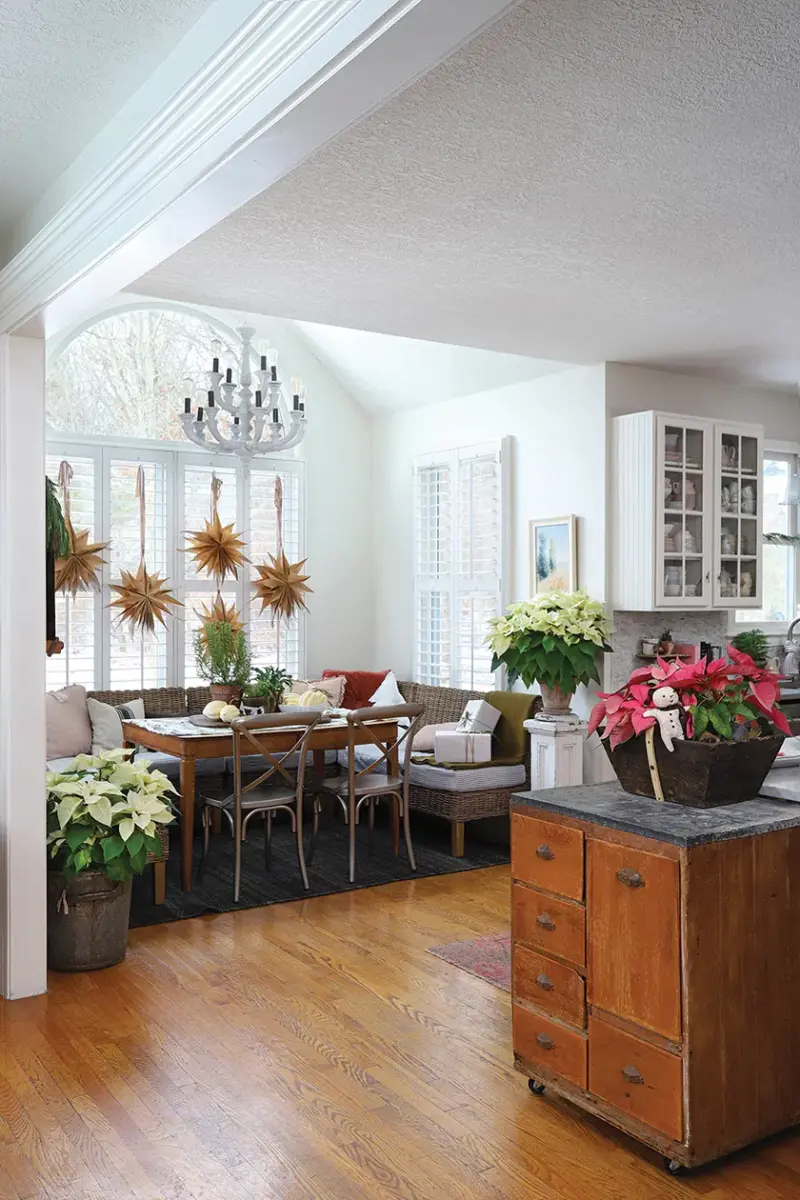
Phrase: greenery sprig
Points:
(222, 654)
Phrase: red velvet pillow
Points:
(359, 687)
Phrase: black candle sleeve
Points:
(259, 399)
(263, 362)
(229, 375)
(236, 420)
(296, 403)
(199, 414)
(215, 366)
(187, 404)
(276, 417)
(275, 374)
(211, 400)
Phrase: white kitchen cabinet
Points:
(679, 541)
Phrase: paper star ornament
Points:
(217, 549)
(77, 571)
(281, 586)
(143, 599)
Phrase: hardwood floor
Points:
(311, 1050)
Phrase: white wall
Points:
(637, 389)
(558, 426)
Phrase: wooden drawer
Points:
(547, 855)
(636, 1077)
(632, 900)
(550, 985)
(555, 926)
(540, 1041)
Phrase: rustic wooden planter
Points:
(698, 774)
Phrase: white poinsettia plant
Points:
(104, 813)
(554, 639)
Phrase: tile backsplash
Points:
(631, 627)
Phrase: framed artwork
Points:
(554, 560)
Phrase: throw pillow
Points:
(106, 719)
(359, 686)
(334, 688)
(425, 739)
(387, 692)
(69, 731)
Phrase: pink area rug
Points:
(487, 957)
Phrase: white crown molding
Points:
(281, 83)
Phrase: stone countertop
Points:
(607, 804)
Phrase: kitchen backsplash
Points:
(631, 627)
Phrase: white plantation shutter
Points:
(99, 652)
(460, 535)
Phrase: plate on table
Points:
(208, 722)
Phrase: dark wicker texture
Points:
(158, 702)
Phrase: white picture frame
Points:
(553, 555)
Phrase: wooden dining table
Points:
(189, 743)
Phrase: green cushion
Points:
(508, 740)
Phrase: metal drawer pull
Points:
(545, 982)
(631, 1075)
(546, 921)
(544, 851)
(630, 877)
(545, 1042)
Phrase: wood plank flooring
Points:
(311, 1051)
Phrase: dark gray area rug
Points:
(213, 892)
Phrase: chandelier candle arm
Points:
(261, 419)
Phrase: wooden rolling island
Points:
(656, 964)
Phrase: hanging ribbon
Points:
(65, 473)
(216, 491)
(278, 497)
(140, 496)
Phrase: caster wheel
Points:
(673, 1166)
(536, 1088)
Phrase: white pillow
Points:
(106, 722)
(387, 693)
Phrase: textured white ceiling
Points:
(588, 180)
(66, 66)
(387, 374)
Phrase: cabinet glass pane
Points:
(685, 492)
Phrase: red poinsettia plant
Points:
(725, 700)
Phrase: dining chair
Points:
(277, 788)
(365, 785)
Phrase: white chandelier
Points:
(234, 419)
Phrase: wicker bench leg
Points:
(160, 881)
(457, 839)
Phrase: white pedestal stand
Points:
(556, 751)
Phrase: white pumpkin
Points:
(291, 699)
(313, 697)
(214, 708)
(229, 713)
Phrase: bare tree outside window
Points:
(123, 377)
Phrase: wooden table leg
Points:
(187, 780)
(393, 767)
(160, 881)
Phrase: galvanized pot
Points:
(87, 921)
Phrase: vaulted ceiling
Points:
(66, 66)
(587, 180)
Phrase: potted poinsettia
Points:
(104, 816)
(554, 640)
(700, 734)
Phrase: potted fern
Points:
(105, 814)
(223, 659)
(268, 687)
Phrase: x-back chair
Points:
(366, 786)
(278, 787)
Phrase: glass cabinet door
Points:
(738, 453)
(684, 479)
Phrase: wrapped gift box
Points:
(462, 747)
(478, 717)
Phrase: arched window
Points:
(112, 389)
(123, 375)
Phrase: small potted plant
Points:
(554, 641)
(223, 660)
(700, 734)
(753, 642)
(268, 687)
(666, 645)
(104, 817)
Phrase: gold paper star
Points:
(281, 586)
(143, 599)
(77, 572)
(217, 549)
(220, 611)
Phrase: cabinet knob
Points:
(544, 982)
(546, 921)
(545, 1041)
(632, 1075)
(630, 877)
(545, 852)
